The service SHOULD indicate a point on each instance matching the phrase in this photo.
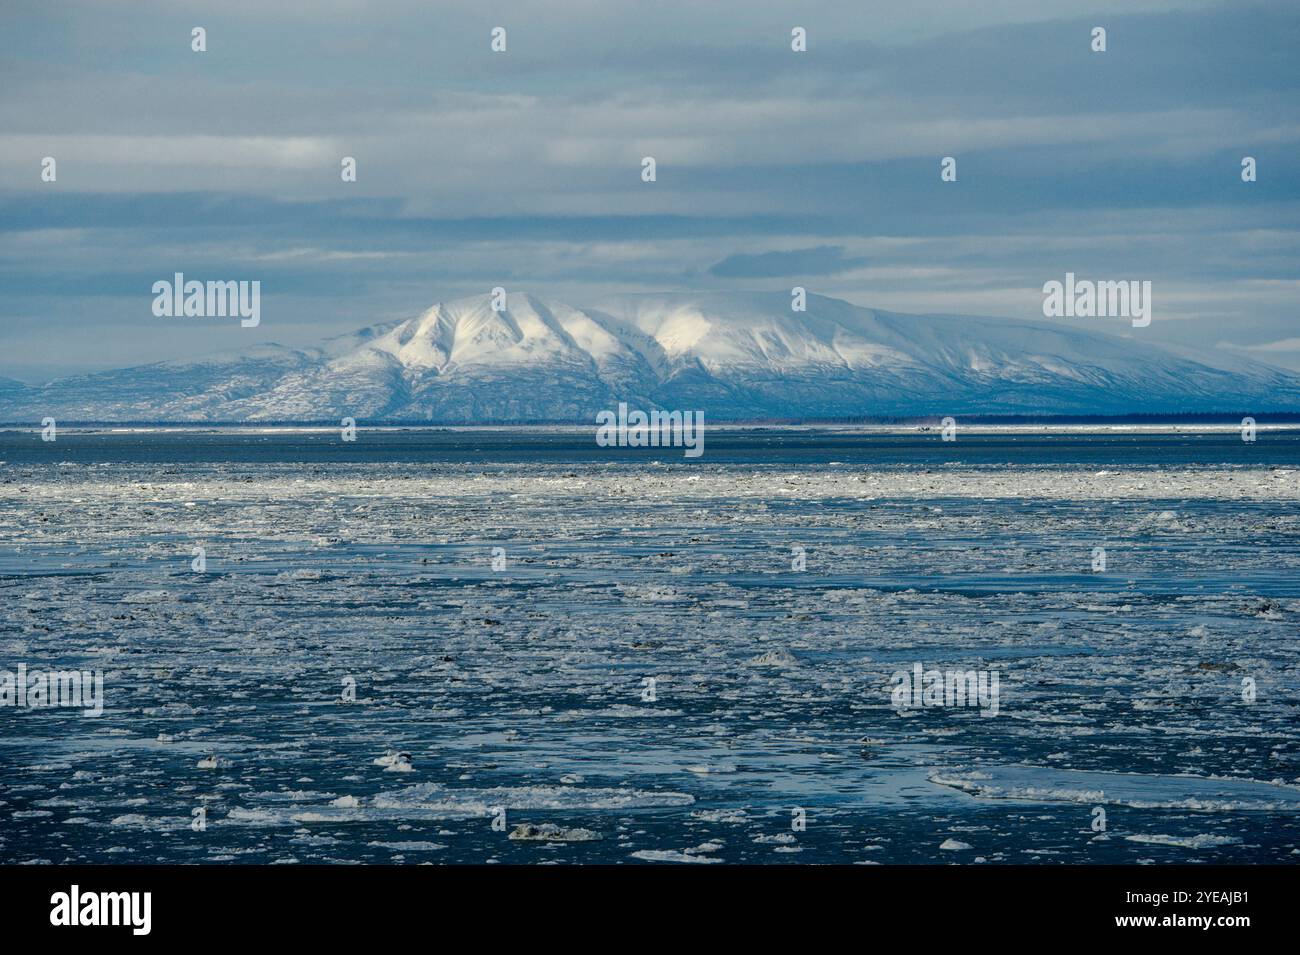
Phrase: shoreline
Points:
(724, 428)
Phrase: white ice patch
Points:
(1200, 841)
(550, 832)
(1137, 790)
(777, 657)
(146, 597)
(670, 855)
(435, 801)
(436, 797)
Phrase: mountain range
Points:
(733, 356)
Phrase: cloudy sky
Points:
(523, 168)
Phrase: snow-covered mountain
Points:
(734, 356)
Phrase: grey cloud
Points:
(818, 260)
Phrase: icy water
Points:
(1161, 691)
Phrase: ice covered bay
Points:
(525, 687)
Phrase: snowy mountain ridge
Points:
(734, 356)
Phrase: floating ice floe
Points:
(395, 762)
(670, 855)
(1138, 790)
(619, 710)
(549, 832)
(297, 575)
(297, 795)
(709, 770)
(776, 657)
(146, 597)
(170, 709)
(434, 797)
(1199, 841)
(435, 801)
(728, 816)
(415, 845)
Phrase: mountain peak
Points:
(734, 356)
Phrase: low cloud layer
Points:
(819, 260)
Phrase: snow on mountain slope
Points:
(731, 355)
(837, 359)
